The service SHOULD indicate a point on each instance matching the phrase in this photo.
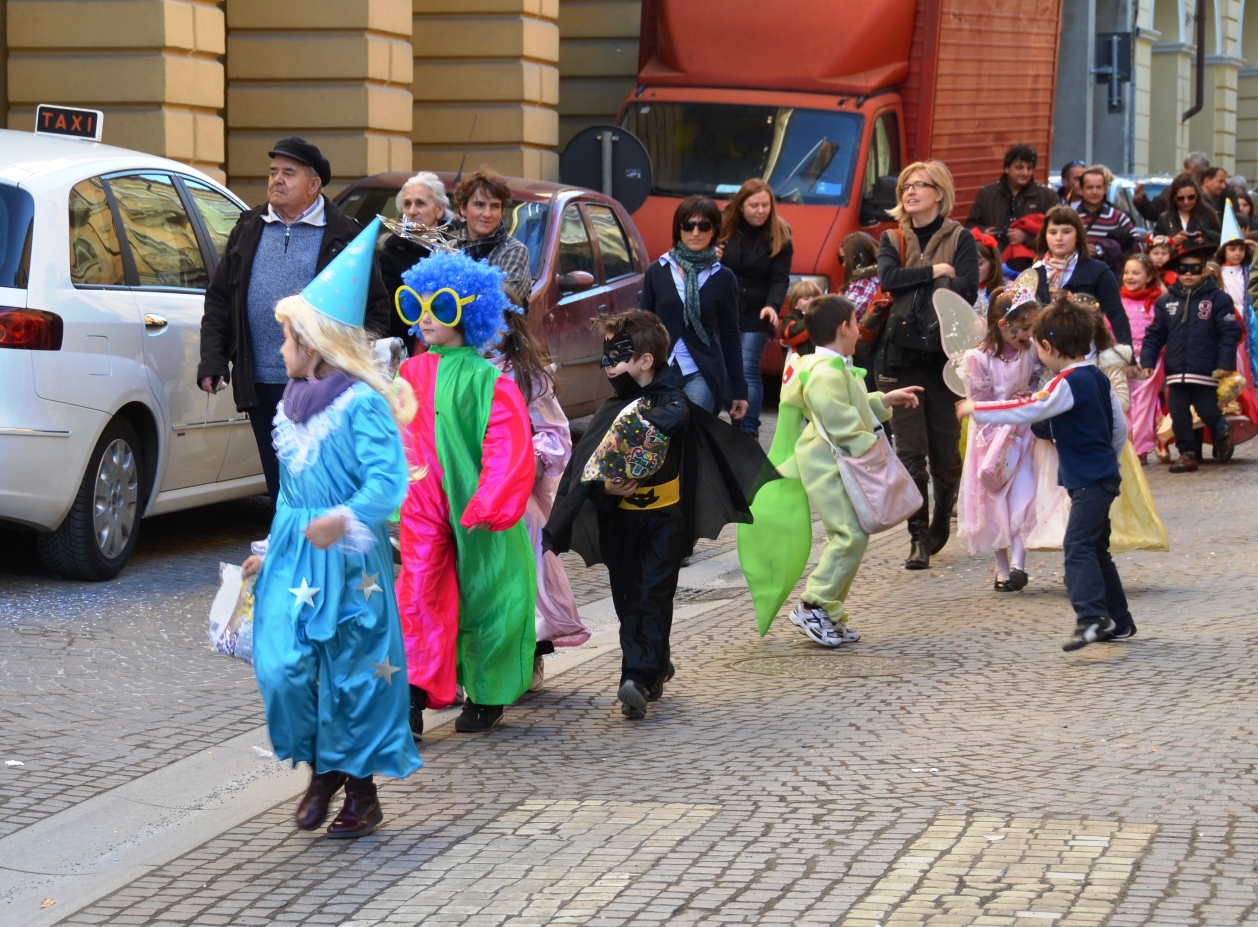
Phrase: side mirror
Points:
(876, 202)
(575, 281)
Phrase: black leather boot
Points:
(312, 810)
(919, 552)
(419, 701)
(361, 813)
(941, 523)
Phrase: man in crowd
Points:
(1109, 229)
(1014, 195)
(273, 252)
(482, 199)
(1196, 164)
(1071, 174)
(1214, 189)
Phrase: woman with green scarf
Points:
(697, 300)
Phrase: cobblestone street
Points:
(952, 768)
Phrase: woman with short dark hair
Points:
(1188, 219)
(758, 250)
(482, 199)
(697, 300)
(1061, 252)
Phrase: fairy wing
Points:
(959, 327)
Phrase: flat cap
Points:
(302, 151)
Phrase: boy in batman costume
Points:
(643, 529)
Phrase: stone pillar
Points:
(1142, 73)
(1170, 84)
(152, 66)
(1213, 130)
(486, 71)
(598, 61)
(335, 72)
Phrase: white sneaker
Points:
(845, 634)
(814, 623)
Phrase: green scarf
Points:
(691, 264)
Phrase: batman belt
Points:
(653, 497)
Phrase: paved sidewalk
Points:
(953, 768)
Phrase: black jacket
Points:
(995, 207)
(395, 256)
(1199, 220)
(721, 467)
(1093, 278)
(225, 324)
(1198, 329)
(721, 361)
(911, 338)
(763, 279)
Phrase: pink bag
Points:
(878, 485)
(1001, 458)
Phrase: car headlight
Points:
(821, 281)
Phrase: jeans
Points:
(262, 419)
(1182, 398)
(1092, 580)
(697, 390)
(753, 347)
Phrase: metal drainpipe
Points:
(1201, 62)
(1089, 98)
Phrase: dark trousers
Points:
(1092, 580)
(643, 552)
(261, 418)
(927, 438)
(1182, 398)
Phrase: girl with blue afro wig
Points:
(482, 323)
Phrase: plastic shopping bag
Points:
(231, 615)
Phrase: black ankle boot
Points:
(919, 551)
(941, 522)
(419, 701)
(361, 813)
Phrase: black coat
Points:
(225, 324)
(763, 279)
(1198, 329)
(996, 207)
(394, 257)
(721, 360)
(721, 467)
(1094, 278)
(1199, 220)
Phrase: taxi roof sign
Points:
(68, 121)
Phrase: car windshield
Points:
(525, 221)
(16, 210)
(806, 155)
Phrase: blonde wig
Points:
(938, 174)
(348, 349)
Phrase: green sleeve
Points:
(881, 412)
(827, 398)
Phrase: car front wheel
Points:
(100, 531)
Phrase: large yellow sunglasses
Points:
(445, 306)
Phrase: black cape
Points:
(722, 468)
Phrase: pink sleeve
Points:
(507, 468)
(552, 440)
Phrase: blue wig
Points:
(483, 322)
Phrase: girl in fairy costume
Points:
(327, 641)
(468, 583)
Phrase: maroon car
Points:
(585, 256)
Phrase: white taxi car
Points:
(105, 255)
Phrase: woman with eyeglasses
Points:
(927, 252)
(697, 300)
(1188, 220)
(758, 250)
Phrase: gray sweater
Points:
(283, 265)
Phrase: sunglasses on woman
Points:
(703, 225)
(1190, 198)
(445, 306)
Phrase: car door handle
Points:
(154, 322)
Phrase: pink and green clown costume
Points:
(466, 597)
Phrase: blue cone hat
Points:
(340, 290)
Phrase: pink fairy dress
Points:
(1146, 395)
(997, 499)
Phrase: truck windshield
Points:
(806, 155)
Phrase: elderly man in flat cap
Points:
(273, 252)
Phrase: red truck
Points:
(827, 101)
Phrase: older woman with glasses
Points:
(1188, 220)
(927, 252)
(697, 300)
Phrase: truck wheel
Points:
(100, 531)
